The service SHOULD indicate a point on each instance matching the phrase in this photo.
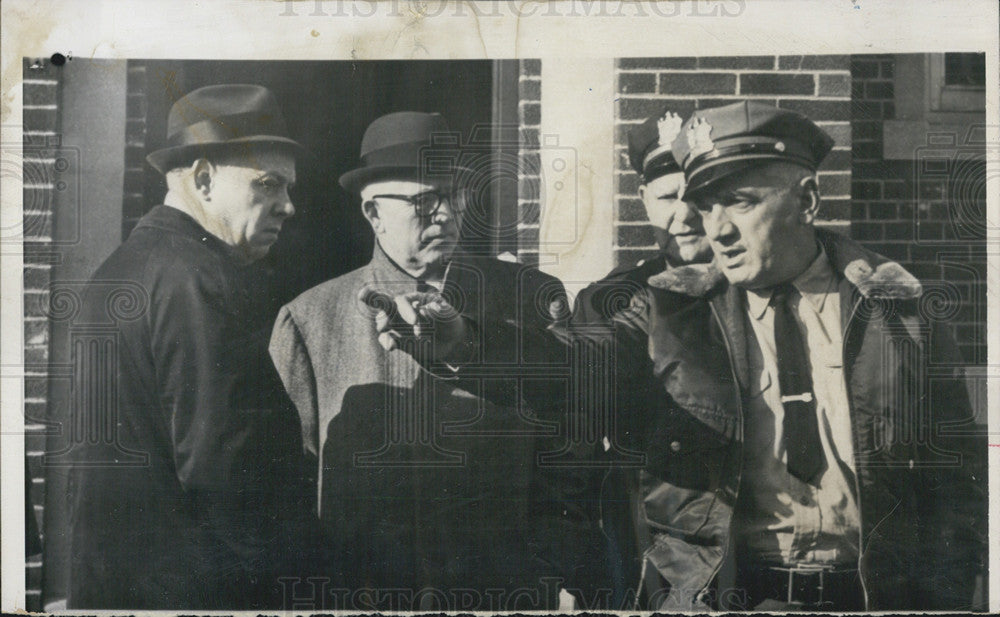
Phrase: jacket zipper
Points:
(739, 409)
(854, 442)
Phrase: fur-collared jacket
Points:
(919, 459)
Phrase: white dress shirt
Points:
(780, 518)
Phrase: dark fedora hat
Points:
(221, 118)
(405, 144)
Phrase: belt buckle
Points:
(804, 572)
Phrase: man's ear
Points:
(808, 199)
(203, 172)
(643, 191)
(369, 209)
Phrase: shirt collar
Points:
(814, 284)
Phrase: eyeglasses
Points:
(427, 203)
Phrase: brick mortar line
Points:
(646, 96)
(739, 71)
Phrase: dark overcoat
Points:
(184, 495)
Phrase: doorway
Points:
(327, 106)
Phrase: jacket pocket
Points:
(686, 458)
(687, 447)
(686, 568)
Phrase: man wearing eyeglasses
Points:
(405, 373)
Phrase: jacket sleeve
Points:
(291, 358)
(513, 330)
(952, 493)
(567, 540)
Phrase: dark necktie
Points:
(805, 452)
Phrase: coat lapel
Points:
(729, 307)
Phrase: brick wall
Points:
(41, 164)
(529, 176)
(134, 200)
(930, 219)
(817, 86)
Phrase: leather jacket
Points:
(683, 384)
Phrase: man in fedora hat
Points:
(782, 468)
(194, 523)
(405, 373)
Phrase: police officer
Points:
(787, 434)
(619, 295)
(676, 224)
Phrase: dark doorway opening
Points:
(327, 106)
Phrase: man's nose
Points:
(285, 207)
(691, 215)
(683, 214)
(444, 213)
(717, 223)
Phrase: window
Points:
(967, 70)
(956, 82)
(935, 95)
